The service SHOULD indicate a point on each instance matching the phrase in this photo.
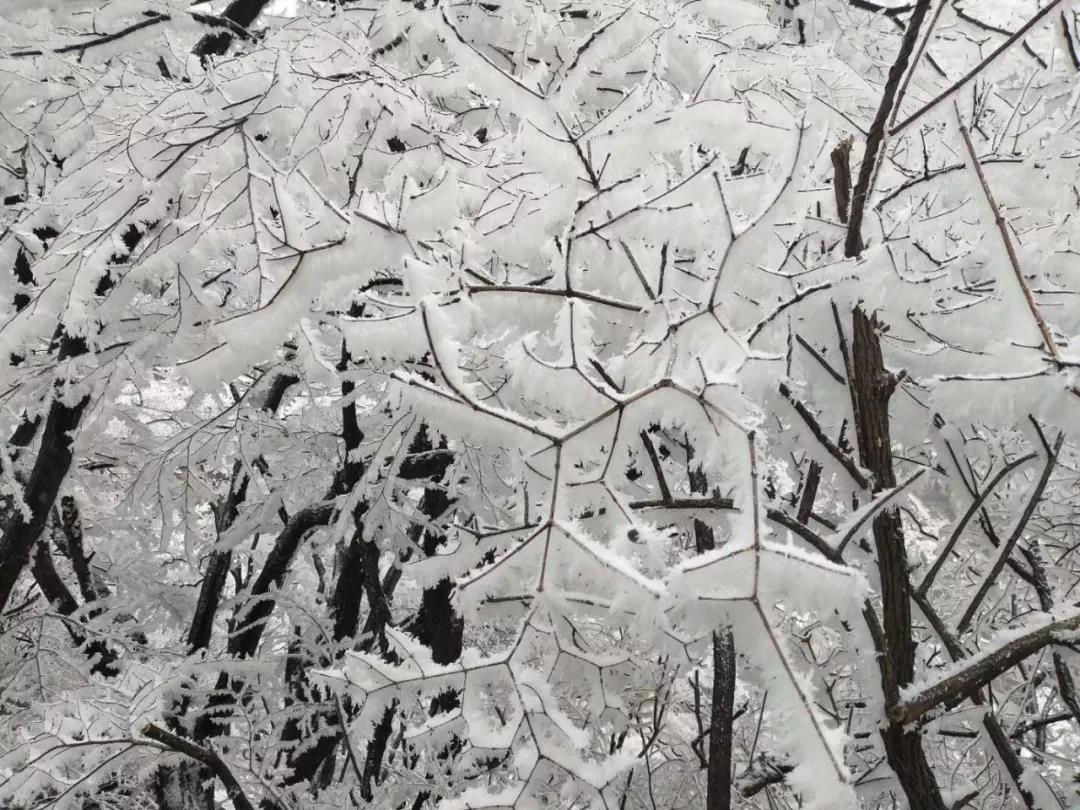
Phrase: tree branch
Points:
(980, 669)
(210, 759)
(976, 504)
(875, 137)
(845, 460)
(1007, 547)
(971, 74)
(1010, 250)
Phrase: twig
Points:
(1003, 229)
(976, 504)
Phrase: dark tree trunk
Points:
(182, 787)
(721, 715)
(436, 624)
(217, 565)
(376, 750)
(67, 520)
(349, 588)
(721, 719)
(872, 386)
(841, 161)
(358, 574)
(240, 14)
(248, 632)
(53, 460)
(61, 598)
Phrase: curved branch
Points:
(210, 759)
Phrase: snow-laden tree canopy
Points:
(516, 405)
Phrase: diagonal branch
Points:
(249, 625)
(976, 504)
(1010, 250)
(880, 501)
(875, 137)
(153, 18)
(846, 461)
(990, 722)
(979, 670)
(210, 759)
(658, 471)
(806, 533)
(975, 71)
(1007, 547)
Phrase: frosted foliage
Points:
(487, 405)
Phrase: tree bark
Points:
(721, 715)
(184, 787)
(61, 598)
(225, 514)
(436, 624)
(721, 719)
(875, 138)
(841, 161)
(217, 565)
(872, 386)
(249, 628)
(359, 567)
(43, 485)
(983, 668)
(994, 732)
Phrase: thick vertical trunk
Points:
(436, 623)
(376, 750)
(721, 715)
(872, 386)
(358, 574)
(721, 719)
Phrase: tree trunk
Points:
(721, 719)
(721, 715)
(181, 787)
(436, 623)
(50, 467)
(871, 388)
